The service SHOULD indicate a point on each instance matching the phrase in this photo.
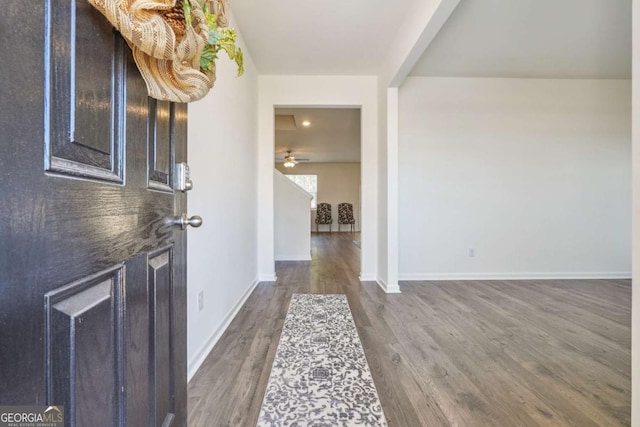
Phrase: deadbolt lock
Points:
(182, 177)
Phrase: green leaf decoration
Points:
(214, 36)
(207, 59)
(219, 38)
(240, 61)
(187, 12)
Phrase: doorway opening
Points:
(318, 149)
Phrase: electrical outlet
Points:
(200, 300)
(472, 252)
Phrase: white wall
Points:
(337, 183)
(533, 174)
(318, 91)
(292, 227)
(222, 254)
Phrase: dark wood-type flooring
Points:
(459, 353)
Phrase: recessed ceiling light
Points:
(306, 123)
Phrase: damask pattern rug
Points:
(320, 376)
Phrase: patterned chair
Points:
(323, 215)
(345, 215)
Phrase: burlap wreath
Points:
(165, 47)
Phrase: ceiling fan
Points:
(290, 161)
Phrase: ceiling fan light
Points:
(289, 160)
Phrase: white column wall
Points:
(417, 31)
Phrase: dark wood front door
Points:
(92, 273)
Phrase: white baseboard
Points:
(197, 361)
(367, 277)
(388, 288)
(293, 257)
(514, 276)
(268, 277)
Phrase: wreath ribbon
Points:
(166, 48)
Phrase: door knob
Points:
(183, 221)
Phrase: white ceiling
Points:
(532, 39)
(330, 37)
(482, 38)
(333, 136)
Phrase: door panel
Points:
(161, 144)
(160, 336)
(84, 347)
(83, 118)
(92, 273)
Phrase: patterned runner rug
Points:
(320, 375)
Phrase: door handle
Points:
(183, 221)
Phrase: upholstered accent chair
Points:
(345, 215)
(323, 215)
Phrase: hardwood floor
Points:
(459, 353)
